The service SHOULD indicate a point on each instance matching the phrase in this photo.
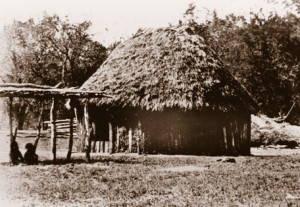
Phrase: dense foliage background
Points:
(262, 52)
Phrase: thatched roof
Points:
(168, 68)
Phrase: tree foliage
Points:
(53, 50)
(49, 52)
(263, 54)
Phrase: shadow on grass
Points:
(142, 159)
(95, 160)
(104, 159)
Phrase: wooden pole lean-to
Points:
(53, 128)
(71, 130)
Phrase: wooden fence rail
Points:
(63, 130)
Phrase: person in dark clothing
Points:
(30, 157)
(15, 154)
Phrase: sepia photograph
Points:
(180, 103)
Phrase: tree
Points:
(49, 52)
(262, 53)
(52, 51)
(273, 55)
(78, 56)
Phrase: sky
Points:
(114, 20)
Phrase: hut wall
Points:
(173, 132)
(197, 133)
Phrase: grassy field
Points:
(158, 180)
(132, 180)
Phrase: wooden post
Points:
(139, 137)
(130, 140)
(10, 120)
(39, 127)
(39, 124)
(81, 127)
(138, 144)
(53, 128)
(232, 136)
(106, 146)
(102, 150)
(118, 138)
(111, 138)
(97, 146)
(71, 130)
(93, 138)
(88, 132)
(225, 137)
(145, 141)
(237, 135)
(248, 152)
(12, 137)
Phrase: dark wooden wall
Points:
(171, 132)
(197, 133)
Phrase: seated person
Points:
(30, 157)
(15, 154)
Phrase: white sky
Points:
(113, 19)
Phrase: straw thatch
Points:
(168, 68)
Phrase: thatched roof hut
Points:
(169, 69)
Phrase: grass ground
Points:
(132, 180)
(154, 181)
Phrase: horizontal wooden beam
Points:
(25, 85)
(65, 121)
(49, 93)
